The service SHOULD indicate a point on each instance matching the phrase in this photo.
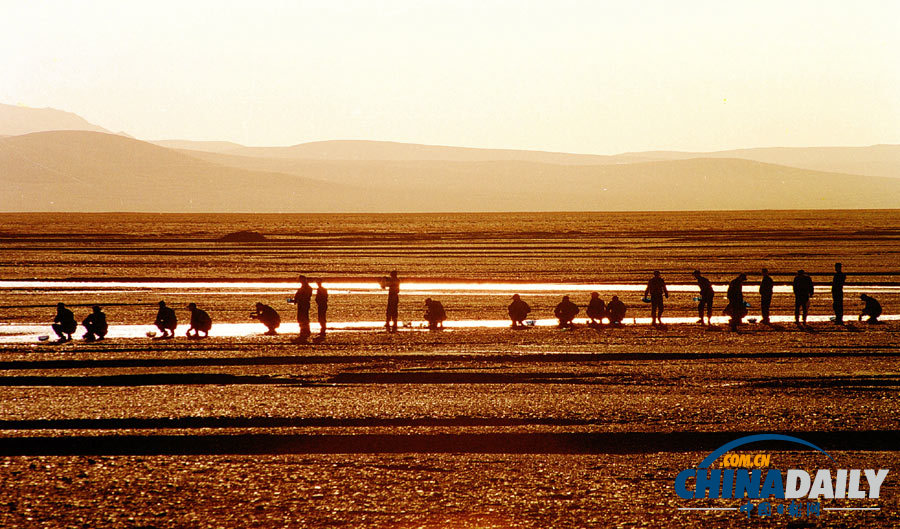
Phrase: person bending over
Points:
(872, 308)
(706, 298)
(435, 314)
(268, 317)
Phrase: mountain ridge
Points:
(90, 171)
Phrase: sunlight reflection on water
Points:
(410, 288)
(30, 333)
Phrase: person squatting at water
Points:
(64, 323)
(518, 310)
(736, 308)
(872, 309)
(303, 298)
(565, 312)
(615, 311)
(95, 324)
(837, 293)
(656, 289)
(766, 287)
(268, 317)
(803, 290)
(706, 298)
(321, 309)
(392, 314)
(200, 322)
(166, 321)
(435, 314)
(596, 310)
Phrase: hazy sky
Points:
(592, 76)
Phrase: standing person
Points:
(303, 298)
(803, 291)
(872, 309)
(95, 325)
(64, 323)
(518, 310)
(766, 286)
(321, 308)
(268, 317)
(596, 309)
(435, 314)
(837, 293)
(615, 311)
(706, 297)
(565, 312)
(166, 321)
(736, 308)
(392, 284)
(656, 289)
(200, 322)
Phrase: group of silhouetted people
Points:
(64, 324)
(802, 287)
(167, 321)
(303, 299)
(96, 327)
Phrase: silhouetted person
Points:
(64, 323)
(200, 322)
(596, 309)
(518, 310)
(736, 308)
(837, 293)
(268, 317)
(303, 299)
(321, 308)
(615, 311)
(435, 314)
(803, 291)
(656, 289)
(706, 298)
(766, 286)
(392, 284)
(872, 308)
(95, 325)
(166, 321)
(565, 312)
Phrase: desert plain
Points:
(475, 426)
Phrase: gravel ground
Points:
(828, 383)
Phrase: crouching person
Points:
(95, 325)
(166, 321)
(200, 322)
(565, 312)
(435, 314)
(268, 317)
(64, 323)
(872, 309)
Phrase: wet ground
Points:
(479, 428)
(472, 427)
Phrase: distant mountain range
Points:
(78, 166)
(876, 160)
